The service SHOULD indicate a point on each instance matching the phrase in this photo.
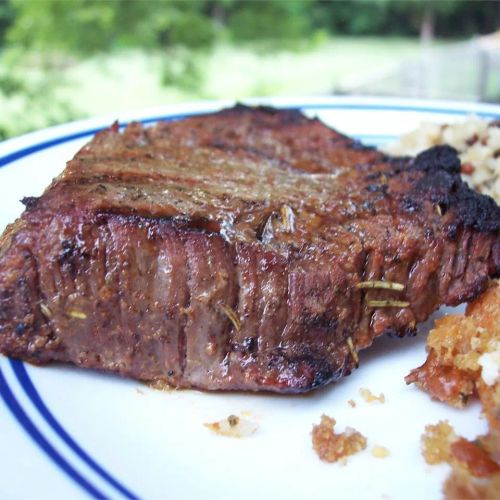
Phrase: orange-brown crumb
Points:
(439, 375)
(474, 469)
(369, 397)
(461, 485)
(476, 459)
(332, 447)
(490, 401)
(352, 403)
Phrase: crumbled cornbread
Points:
(464, 361)
(332, 447)
(464, 357)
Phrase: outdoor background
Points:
(65, 59)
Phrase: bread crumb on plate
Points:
(160, 385)
(464, 357)
(233, 426)
(369, 397)
(332, 447)
(380, 451)
(475, 472)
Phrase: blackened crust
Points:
(443, 186)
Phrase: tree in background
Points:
(6, 19)
(52, 34)
(89, 26)
(272, 20)
(427, 18)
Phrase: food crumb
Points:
(490, 365)
(461, 485)
(160, 385)
(380, 451)
(352, 403)
(475, 472)
(233, 420)
(233, 426)
(436, 442)
(331, 447)
(369, 397)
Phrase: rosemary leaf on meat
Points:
(352, 350)
(46, 310)
(232, 316)
(77, 314)
(388, 285)
(287, 219)
(387, 303)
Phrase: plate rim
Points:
(52, 136)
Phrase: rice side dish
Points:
(476, 140)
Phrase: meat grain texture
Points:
(225, 252)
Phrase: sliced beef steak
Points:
(231, 251)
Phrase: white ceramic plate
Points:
(69, 433)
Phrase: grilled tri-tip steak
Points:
(238, 250)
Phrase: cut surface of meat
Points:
(250, 249)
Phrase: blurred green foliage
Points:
(451, 18)
(185, 30)
(88, 26)
(273, 20)
(6, 18)
(40, 38)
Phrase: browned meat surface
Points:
(226, 252)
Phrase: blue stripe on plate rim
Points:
(29, 388)
(21, 153)
(27, 424)
(18, 367)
